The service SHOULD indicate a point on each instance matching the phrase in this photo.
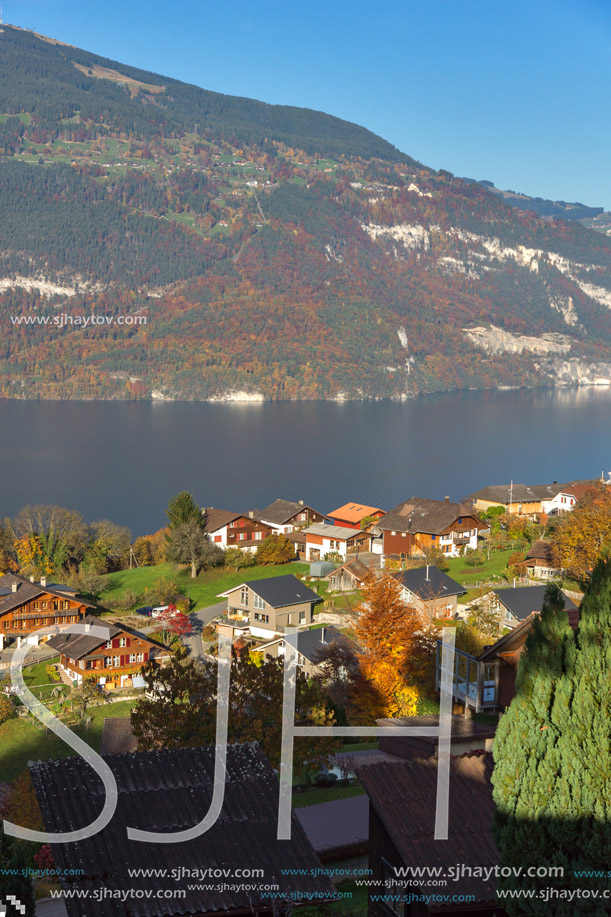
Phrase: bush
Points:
(238, 560)
(7, 710)
(163, 591)
(325, 779)
(275, 549)
(52, 672)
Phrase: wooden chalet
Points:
(26, 606)
(531, 500)
(351, 515)
(286, 516)
(418, 526)
(349, 577)
(114, 662)
(235, 530)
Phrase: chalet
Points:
(114, 661)
(234, 530)
(418, 526)
(324, 541)
(402, 804)
(351, 515)
(26, 606)
(286, 516)
(532, 501)
(266, 607)
(540, 562)
(430, 591)
(516, 603)
(487, 681)
(349, 577)
(310, 643)
(169, 791)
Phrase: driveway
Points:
(200, 619)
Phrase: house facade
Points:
(266, 607)
(323, 540)
(540, 561)
(235, 530)
(286, 516)
(351, 515)
(430, 591)
(27, 606)
(113, 662)
(530, 500)
(417, 526)
(310, 643)
(349, 577)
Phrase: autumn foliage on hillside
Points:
(584, 533)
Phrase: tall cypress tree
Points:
(552, 777)
(526, 750)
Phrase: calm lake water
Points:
(123, 461)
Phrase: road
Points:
(201, 618)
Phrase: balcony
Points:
(474, 683)
(235, 619)
(462, 538)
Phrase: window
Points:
(122, 641)
(139, 657)
(6, 623)
(45, 605)
(37, 621)
(302, 617)
(242, 536)
(264, 619)
(244, 595)
(116, 660)
(258, 601)
(35, 606)
(393, 533)
(15, 623)
(258, 536)
(107, 662)
(88, 664)
(109, 644)
(132, 657)
(433, 537)
(218, 538)
(395, 890)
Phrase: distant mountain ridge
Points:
(236, 250)
(544, 207)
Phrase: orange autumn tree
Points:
(396, 646)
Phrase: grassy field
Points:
(469, 576)
(202, 591)
(324, 794)
(23, 739)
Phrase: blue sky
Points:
(514, 92)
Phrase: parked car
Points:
(145, 610)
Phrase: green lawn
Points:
(23, 739)
(202, 591)
(324, 794)
(496, 566)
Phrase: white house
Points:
(323, 540)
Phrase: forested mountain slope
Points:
(237, 249)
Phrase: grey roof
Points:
(311, 642)
(280, 591)
(462, 729)
(339, 532)
(429, 583)
(117, 736)
(282, 511)
(169, 791)
(356, 567)
(339, 827)
(523, 493)
(431, 517)
(27, 591)
(78, 645)
(523, 600)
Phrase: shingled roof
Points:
(282, 511)
(431, 517)
(77, 645)
(279, 591)
(403, 796)
(26, 591)
(218, 518)
(169, 791)
(429, 583)
(521, 601)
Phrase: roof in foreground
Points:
(523, 600)
(403, 796)
(169, 791)
(354, 512)
(25, 591)
(429, 583)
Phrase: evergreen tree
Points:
(183, 508)
(552, 776)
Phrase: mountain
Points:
(161, 241)
(546, 208)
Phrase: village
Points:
(367, 591)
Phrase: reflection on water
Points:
(123, 461)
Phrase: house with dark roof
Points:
(168, 791)
(530, 500)
(402, 805)
(286, 515)
(417, 526)
(310, 644)
(113, 661)
(266, 607)
(26, 606)
(430, 591)
(235, 530)
(487, 681)
(351, 515)
(540, 561)
(516, 603)
(334, 541)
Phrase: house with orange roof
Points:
(350, 515)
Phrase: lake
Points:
(124, 460)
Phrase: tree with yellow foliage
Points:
(396, 646)
(584, 533)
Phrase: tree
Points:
(485, 617)
(182, 509)
(583, 533)
(397, 645)
(174, 624)
(275, 549)
(84, 694)
(181, 707)
(7, 710)
(59, 534)
(108, 547)
(21, 805)
(189, 544)
(474, 557)
(552, 777)
(238, 559)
